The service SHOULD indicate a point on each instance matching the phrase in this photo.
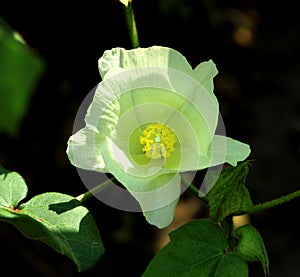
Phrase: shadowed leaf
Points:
(198, 248)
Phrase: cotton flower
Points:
(153, 117)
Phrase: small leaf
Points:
(56, 219)
(13, 188)
(198, 248)
(229, 195)
(251, 246)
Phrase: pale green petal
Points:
(190, 160)
(181, 103)
(236, 151)
(162, 217)
(103, 113)
(199, 110)
(204, 73)
(153, 187)
(128, 102)
(135, 177)
(119, 59)
(137, 97)
(228, 150)
(222, 150)
(155, 56)
(175, 87)
(195, 123)
(84, 150)
(118, 95)
(164, 190)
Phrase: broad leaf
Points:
(251, 246)
(197, 249)
(229, 195)
(56, 219)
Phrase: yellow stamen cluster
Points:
(158, 141)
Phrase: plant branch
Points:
(272, 203)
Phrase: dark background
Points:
(255, 45)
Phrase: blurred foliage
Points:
(20, 69)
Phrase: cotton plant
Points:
(153, 117)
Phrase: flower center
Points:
(158, 141)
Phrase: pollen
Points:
(158, 141)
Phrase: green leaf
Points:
(13, 188)
(251, 246)
(198, 248)
(55, 219)
(20, 69)
(229, 194)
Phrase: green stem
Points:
(131, 25)
(193, 189)
(90, 193)
(256, 208)
(228, 227)
(273, 203)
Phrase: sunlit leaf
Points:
(56, 219)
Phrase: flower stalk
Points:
(87, 195)
(130, 20)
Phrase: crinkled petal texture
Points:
(141, 87)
